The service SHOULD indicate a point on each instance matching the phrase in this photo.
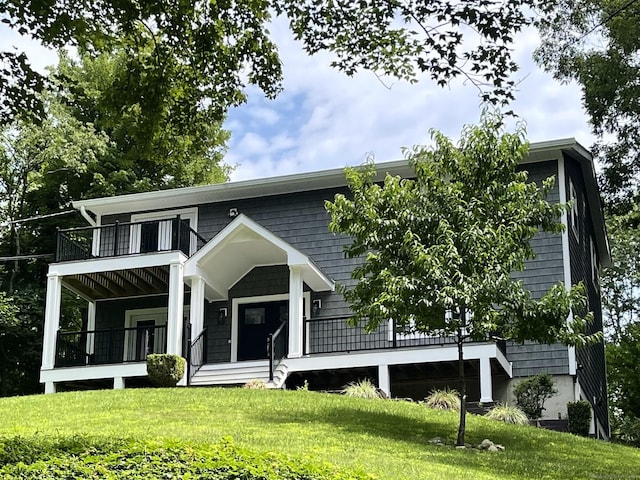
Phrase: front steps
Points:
(228, 374)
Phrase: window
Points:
(159, 232)
(573, 213)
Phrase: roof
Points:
(319, 180)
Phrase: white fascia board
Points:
(94, 372)
(111, 264)
(299, 182)
(391, 357)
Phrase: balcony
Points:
(130, 238)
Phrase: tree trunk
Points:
(463, 380)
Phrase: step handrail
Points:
(271, 353)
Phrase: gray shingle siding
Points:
(539, 275)
(591, 361)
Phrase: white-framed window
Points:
(142, 335)
(573, 213)
(157, 237)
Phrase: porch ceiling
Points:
(120, 283)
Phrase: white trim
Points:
(165, 227)
(384, 380)
(116, 263)
(566, 255)
(91, 325)
(236, 302)
(69, 374)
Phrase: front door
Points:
(255, 322)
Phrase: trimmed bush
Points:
(533, 392)
(165, 369)
(78, 457)
(361, 389)
(508, 414)
(446, 399)
(579, 416)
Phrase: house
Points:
(240, 279)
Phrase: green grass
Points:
(387, 438)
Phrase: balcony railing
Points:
(127, 239)
(334, 335)
(113, 345)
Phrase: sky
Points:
(324, 119)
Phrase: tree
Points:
(220, 45)
(533, 392)
(448, 239)
(596, 43)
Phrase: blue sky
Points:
(324, 119)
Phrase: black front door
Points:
(255, 322)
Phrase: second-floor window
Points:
(157, 231)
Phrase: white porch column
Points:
(118, 383)
(486, 389)
(295, 311)
(196, 312)
(51, 321)
(384, 382)
(91, 325)
(175, 308)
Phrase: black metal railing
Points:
(127, 239)
(113, 345)
(334, 335)
(277, 347)
(197, 354)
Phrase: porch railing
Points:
(114, 345)
(277, 347)
(334, 335)
(197, 354)
(127, 238)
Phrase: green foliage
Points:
(579, 416)
(361, 389)
(626, 430)
(255, 384)
(445, 399)
(216, 47)
(165, 369)
(78, 457)
(533, 392)
(450, 237)
(429, 38)
(604, 61)
(508, 414)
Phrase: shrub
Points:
(165, 369)
(508, 414)
(45, 459)
(445, 399)
(533, 392)
(579, 416)
(361, 389)
(626, 430)
(255, 384)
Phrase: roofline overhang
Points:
(298, 182)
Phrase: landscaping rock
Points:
(485, 444)
(436, 440)
(492, 448)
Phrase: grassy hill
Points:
(385, 438)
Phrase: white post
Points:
(295, 311)
(175, 308)
(91, 326)
(196, 311)
(49, 387)
(51, 321)
(384, 382)
(486, 390)
(118, 383)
